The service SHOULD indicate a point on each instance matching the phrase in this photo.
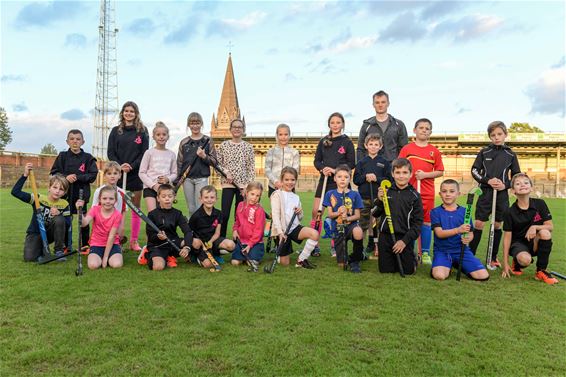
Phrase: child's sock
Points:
(476, 241)
(307, 250)
(426, 235)
(543, 254)
(135, 227)
(496, 241)
(358, 254)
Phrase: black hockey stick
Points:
(79, 270)
(216, 166)
(254, 265)
(374, 227)
(271, 268)
(558, 275)
(54, 257)
(489, 254)
(188, 169)
(467, 218)
(130, 203)
(385, 184)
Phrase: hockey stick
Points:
(215, 266)
(124, 181)
(491, 230)
(130, 203)
(342, 231)
(467, 218)
(216, 166)
(316, 223)
(271, 268)
(79, 270)
(558, 275)
(188, 169)
(385, 184)
(374, 227)
(419, 240)
(54, 257)
(40, 220)
(269, 223)
(254, 266)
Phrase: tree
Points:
(48, 149)
(5, 132)
(524, 128)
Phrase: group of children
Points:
(156, 174)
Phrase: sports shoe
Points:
(546, 277)
(171, 261)
(426, 259)
(59, 253)
(219, 259)
(85, 250)
(254, 265)
(316, 251)
(142, 260)
(494, 265)
(305, 264)
(516, 269)
(135, 246)
(333, 252)
(355, 267)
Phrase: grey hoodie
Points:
(394, 138)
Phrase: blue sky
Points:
(461, 64)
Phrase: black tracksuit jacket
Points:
(340, 152)
(367, 165)
(82, 164)
(406, 212)
(128, 147)
(495, 161)
(168, 220)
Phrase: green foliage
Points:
(296, 322)
(48, 148)
(524, 128)
(5, 132)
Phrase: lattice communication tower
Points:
(106, 107)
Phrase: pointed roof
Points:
(229, 98)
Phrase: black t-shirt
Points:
(518, 221)
(204, 225)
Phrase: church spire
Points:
(228, 109)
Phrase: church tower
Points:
(228, 109)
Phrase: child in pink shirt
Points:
(248, 227)
(104, 240)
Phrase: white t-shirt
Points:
(291, 201)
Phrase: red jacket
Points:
(249, 222)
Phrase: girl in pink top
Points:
(248, 227)
(104, 240)
(158, 166)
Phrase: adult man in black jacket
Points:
(392, 131)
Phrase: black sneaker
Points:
(254, 265)
(316, 252)
(355, 267)
(305, 264)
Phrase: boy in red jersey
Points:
(427, 165)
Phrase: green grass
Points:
(188, 321)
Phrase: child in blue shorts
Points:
(447, 222)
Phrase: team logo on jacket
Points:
(537, 217)
(82, 168)
(215, 223)
(342, 150)
(138, 140)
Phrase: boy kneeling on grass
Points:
(528, 232)
(159, 253)
(56, 213)
(450, 233)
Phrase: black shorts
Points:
(483, 206)
(149, 193)
(520, 246)
(214, 250)
(387, 261)
(330, 185)
(163, 250)
(287, 249)
(133, 182)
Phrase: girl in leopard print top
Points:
(236, 157)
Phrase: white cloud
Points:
(354, 43)
(245, 22)
(547, 93)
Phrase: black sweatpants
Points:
(387, 261)
(55, 229)
(228, 195)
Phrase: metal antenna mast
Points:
(106, 107)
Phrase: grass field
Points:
(325, 322)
